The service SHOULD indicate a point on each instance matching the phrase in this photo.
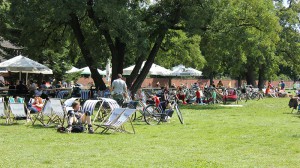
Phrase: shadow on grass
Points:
(39, 126)
(204, 107)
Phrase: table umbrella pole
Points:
(20, 75)
(26, 77)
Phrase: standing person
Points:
(11, 88)
(32, 87)
(58, 85)
(119, 89)
(269, 87)
(220, 84)
(198, 96)
(214, 96)
(282, 85)
(78, 117)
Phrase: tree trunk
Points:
(211, 78)
(250, 77)
(239, 81)
(135, 72)
(261, 77)
(117, 58)
(138, 82)
(74, 23)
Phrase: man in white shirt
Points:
(119, 89)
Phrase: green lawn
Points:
(260, 134)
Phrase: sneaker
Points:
(69, 129)
(91, 130)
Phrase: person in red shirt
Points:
(156, 100)
(198, 96)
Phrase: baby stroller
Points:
(230, 95)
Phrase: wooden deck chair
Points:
(85, 94)
(119, 124)
(3, 112)
(106, 124)
(57, 111)
(18, 110)
(107, 106)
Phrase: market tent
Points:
(154, 70)
(86, 71)
(73, 70)
(181, 70)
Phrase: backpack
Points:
(78, 129)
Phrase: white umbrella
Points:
(181, 70)
(86, 71)
(73, 70)
(154, 70)
(23, 64)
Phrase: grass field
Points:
(260, 134)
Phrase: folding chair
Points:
(62, 94)
(107, 105)
(85, 94)
(119, 124)
(57, 111)
(18, 110)
(90, 105)
(3, 111)
(46, 110)
(106, 124)
(69, 102)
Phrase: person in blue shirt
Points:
(282, 85)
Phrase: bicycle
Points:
(154, 115)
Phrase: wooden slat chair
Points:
(118, 125)
(18, 109)
(3, 111)
(106, 107)
(106, 124)
(85, 94)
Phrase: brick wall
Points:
(151, 82)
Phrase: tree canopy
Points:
(250, 39)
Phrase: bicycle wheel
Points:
(179, 114)
(151, 115)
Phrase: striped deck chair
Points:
(106, 107)
(90, 105)
(62, 94)
(85, 94)
(17, 109)
(116, 113)
(3, 112)
(118, 125)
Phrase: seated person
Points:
(11, 88)
(21, 88)
(107, 92)
(37, 105)
(181, 95)
(76, 116)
